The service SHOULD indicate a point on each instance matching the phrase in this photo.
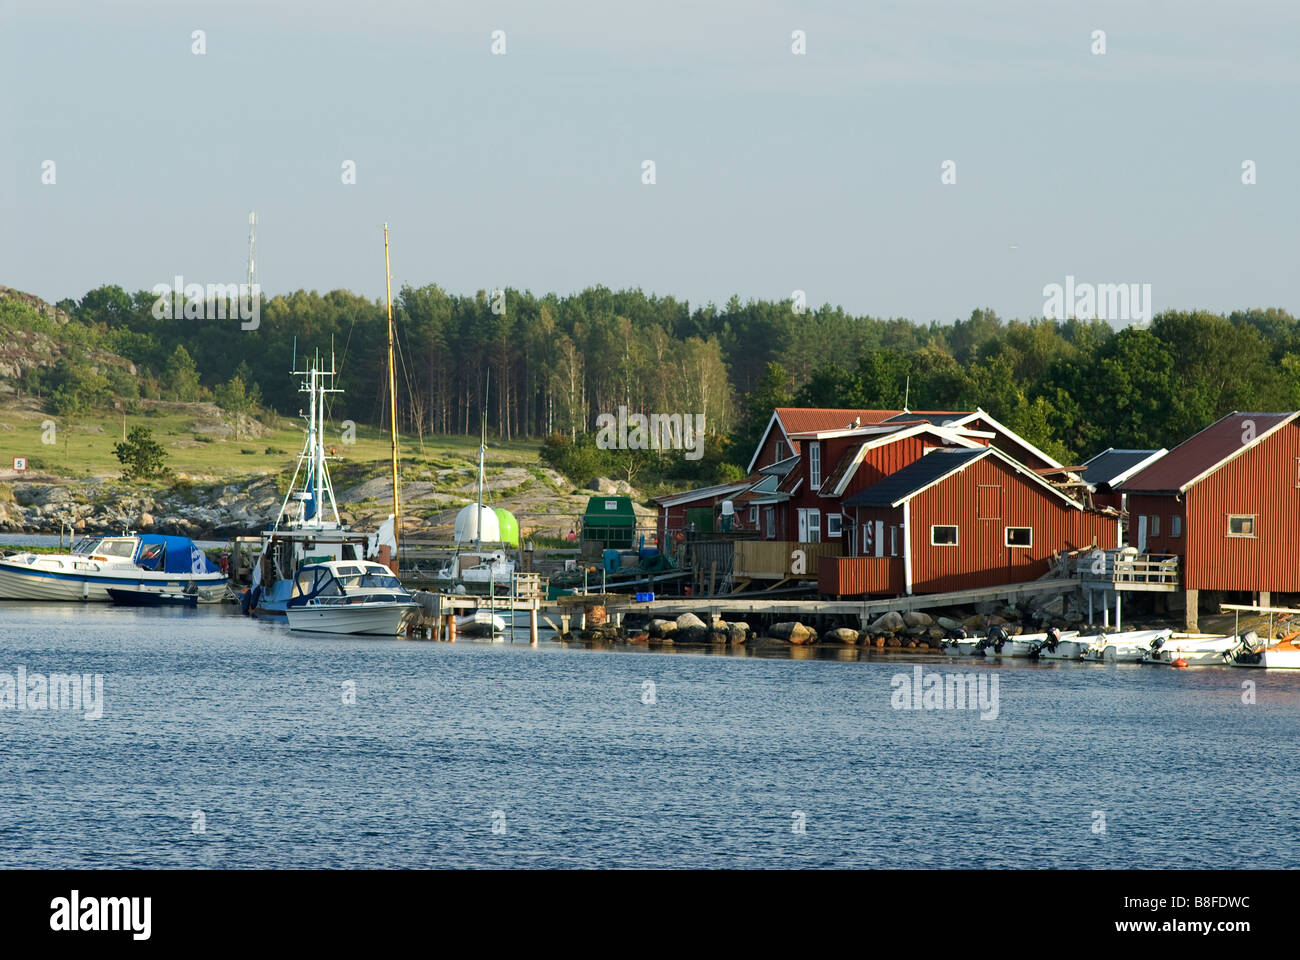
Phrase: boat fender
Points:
(1180, 663)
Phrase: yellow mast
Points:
(392, 394)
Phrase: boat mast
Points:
(482, 449)
(392, 395)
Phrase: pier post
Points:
(1265, 598)
(564, 623)
(451, 628)
(532, 625)
(1118, 595)
(1089, 593)
(1105, 612)
(1191, 598)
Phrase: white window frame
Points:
(945, 526)
(1175, 526)
(893, 539)
(814, 465)
(769, 518)
(835, 521)
(1006, 538)
(814, 525)
(1153, 526)
(1254, 525)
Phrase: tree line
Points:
(556, 363)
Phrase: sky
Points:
(773, 171)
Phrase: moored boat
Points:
(145, 562)
(1251, 651)
(1127, 647)
(136, 597)
(999, 643)
(1194, 649)
(481, 623)
(350, 597)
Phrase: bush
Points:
(141, 456)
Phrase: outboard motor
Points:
(995, 638)
(1053, 640)
(1249, 650)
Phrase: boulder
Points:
(794, 632)
(1054, 607)
(891, 622)
(661, 628)
(948, 623)
(915, 618)
(690, 629)
(738, 632)
(843, 635)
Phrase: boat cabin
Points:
(346, 582)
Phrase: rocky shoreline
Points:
(913, 630)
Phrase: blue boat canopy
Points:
(173, 555)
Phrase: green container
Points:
(609, 523)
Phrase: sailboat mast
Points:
(392, 394)
(482, 449)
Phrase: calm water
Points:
(206, 711)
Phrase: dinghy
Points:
(1194, 649)
(1251, 651)
(1123, 647)
(481, 623)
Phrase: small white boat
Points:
(1123, 647)
(1251, 651)
(350, 597)
(1195, 649)
(1023, 645)
(481, 623)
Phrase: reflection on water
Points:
(251, 725)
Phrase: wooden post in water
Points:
(532, 626)
(713, 573)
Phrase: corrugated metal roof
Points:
(807, 419)
(1203, 453)
(937, 417)
(1111, 465)
(915, 477)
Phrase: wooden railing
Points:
(1115, 566)
(778, 560)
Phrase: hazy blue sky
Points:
(775, 172)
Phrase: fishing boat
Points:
(1193, 649)
(1126, 647)
(308, 529)
(1251, 651)
(136, 597)
(144, 562)
(353, 598)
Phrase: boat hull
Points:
(22, 582)
(481, 623)
(1017, 646)
(369, 619)
(148, 598)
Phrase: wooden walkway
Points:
(866, 610)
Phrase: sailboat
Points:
(480, 571)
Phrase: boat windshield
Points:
(386, 580)
(107, 548)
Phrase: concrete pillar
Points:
(532, 626)
(1191, 598)
(1118, 601)
(1105, 612)
(1089, 592)
(1265, 598)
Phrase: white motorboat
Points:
(1251, 651)
(1194, 649)
(350, 597)
(1127, 647)
(148, 562)
(481, 623)
(1022, 645)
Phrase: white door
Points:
(803, 526)
(880, 538)
(1142, 534)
